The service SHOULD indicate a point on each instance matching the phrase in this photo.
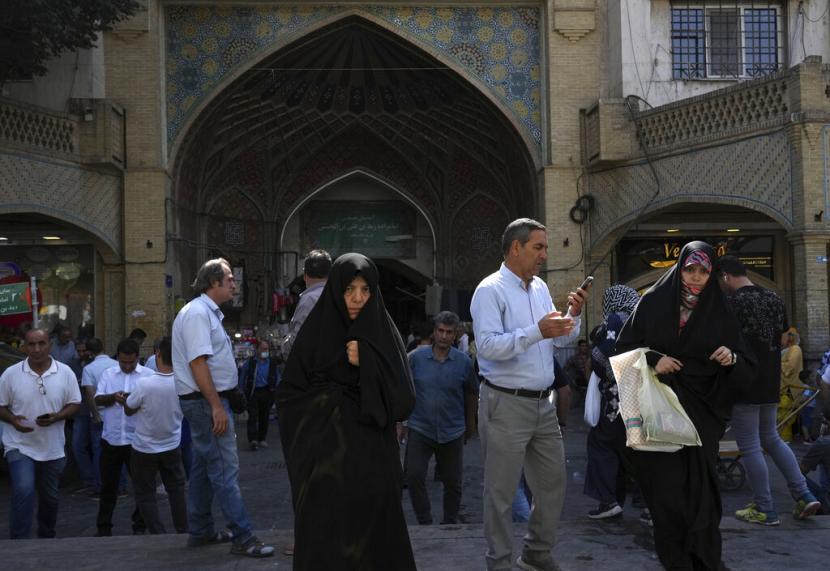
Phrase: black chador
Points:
(337, 425)
(681, 488)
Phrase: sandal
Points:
(252, 548)
(223, 536)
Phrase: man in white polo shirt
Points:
(36, 397)
(115, 386)
(158, 431)
(206, 377)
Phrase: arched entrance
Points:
(645, 250)
(350, 97)
(68, 263)
(359, 212)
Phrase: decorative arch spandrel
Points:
(497, 49)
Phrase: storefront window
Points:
(65, 281)
(636, 257)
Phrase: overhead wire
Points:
(658, 187)
(817, 20)
(633, 51)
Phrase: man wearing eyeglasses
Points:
(206, 378)
(36, 397)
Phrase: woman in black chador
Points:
(345, 385)
(697, 349)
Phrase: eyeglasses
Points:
(41, 387)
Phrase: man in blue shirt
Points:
(259, 379)
(446, 389)
(63, 349)
(516, 327)
(315, 275)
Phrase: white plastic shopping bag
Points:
(664, 419)
(627, 367)
(593, 398)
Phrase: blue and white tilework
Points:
(500, 46)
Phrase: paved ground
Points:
(583, 545)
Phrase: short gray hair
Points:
(446, 318)
(210, 273)
(39, 330)
(520, 230)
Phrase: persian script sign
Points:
(384, 229)
(14, 299)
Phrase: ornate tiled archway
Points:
(496, 49)
(354, 96)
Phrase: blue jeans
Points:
(215, 471)
(520, 509)
(29, 478)
(187, 448)
(82, 450)
(754, 426)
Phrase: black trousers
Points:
(144, 468)
(449, 458)
(113, 459)
(259, 405)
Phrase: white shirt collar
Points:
(212, 305)
(507, 273)
(53, 368)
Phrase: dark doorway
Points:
(403, 290)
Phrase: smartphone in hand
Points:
(584, 286)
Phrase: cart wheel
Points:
(731, 474)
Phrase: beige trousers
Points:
(520, 432)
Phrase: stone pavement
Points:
(583, 544)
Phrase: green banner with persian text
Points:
(14, 299)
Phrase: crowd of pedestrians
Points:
(351, 396)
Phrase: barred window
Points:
(688, 43)
(717, 39)
(761, 41)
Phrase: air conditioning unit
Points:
(608, 134)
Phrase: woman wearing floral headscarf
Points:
(696, 348)
(604, 476)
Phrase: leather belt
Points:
(538, 395)
(196, 395)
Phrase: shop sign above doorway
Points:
(378, 229)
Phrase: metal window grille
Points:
(688, 41)
(761, 45)
(718, 39)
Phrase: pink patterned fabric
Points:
(699, 258)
